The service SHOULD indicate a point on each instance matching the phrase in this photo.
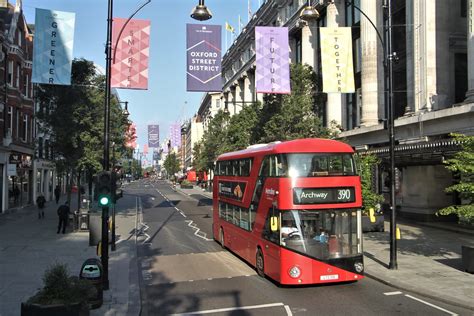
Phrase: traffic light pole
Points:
(104, 256)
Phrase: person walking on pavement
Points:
(57, 193)
(40, 201)
(63, 214)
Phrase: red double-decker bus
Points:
(292, 210)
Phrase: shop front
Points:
(20, 177)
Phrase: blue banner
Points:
(203, 49)
(52, 50)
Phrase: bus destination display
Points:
(323, 195)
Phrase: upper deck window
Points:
(308, 165)
(235, 167)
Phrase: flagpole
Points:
(240, 25)
(249, 11)
(226, 47)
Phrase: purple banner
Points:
(175, 134)
(153, 136)
(272, 59)
(203, 50)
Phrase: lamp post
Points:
(310, 13)
(108, 69)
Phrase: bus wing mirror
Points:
(274, 223)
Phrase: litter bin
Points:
(92, 271)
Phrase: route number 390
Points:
(344, 194)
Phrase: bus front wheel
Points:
(221, 237)
(259, 264)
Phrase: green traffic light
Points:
(104, 200)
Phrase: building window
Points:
(10, 117)
(26, 88)
(460, 77)
(463, 8)
(17, 79)
(298, 48)
(10, 73)
(40, 147)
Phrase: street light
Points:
(201, 12)
(104, 258)
(308, 14)
(125, 110)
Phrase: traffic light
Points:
(116, 193)
(104, 188)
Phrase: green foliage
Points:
(60, 288)
(171, 164)
(214, 142)
(73, 116)
(370, 199)
(279, 118)
(294, 115)
(462, 165)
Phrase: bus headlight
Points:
(294, 272)
(359, 267)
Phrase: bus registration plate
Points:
(329, 277)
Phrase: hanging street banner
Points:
(154, 136)
(336, 60)
(203, 50)
(130, 57)
(145, 149)
(52, 47)
(272, 59)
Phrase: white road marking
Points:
(432, 305)
(392, 293)
(221, 310)
(198, 232)
(288, 310)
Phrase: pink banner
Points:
(130, 56)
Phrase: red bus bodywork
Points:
(277, 192)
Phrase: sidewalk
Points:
(428, 257)
(28, 246)
(429, 261)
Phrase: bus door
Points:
(271, 244)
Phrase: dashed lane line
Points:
(392, 293)
(432, 305)
(230, 309)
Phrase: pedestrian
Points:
(40, 201)
(63, 214)
(57, 193)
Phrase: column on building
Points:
(425, 54)
(309, 45)
(371, 50)
(230, 99)
(238, 97)
(247, 87)
(335, 17)
(470, 52)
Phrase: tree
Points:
(462, 165)
(171, 164)
(370, 199)
(294, 115)
(214, 142)
(73, 117)
(241, 129)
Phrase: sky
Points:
(166, 100)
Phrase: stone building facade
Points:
(433, 85)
